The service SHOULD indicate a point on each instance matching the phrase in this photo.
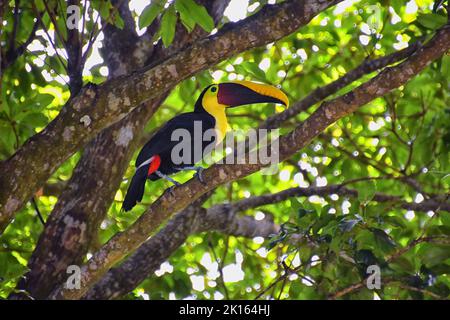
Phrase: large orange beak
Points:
(238, 93)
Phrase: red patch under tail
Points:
(154, 164)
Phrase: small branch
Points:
(423, 291)
(38, 212)
(16, 15)
(51, 14)
(12, 55)
(412, 244)
(220, 268)
(39, 18)
(321, 93)
(362, 284)
(347, 290)
(256, 201)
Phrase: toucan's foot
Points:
(166, 177)
(199, 175)
(170, 190)
(198, 172)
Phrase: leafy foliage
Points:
(189, 12)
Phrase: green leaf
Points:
(4, 105)
(253, 68)
(168, 23)
(185, 16)
(367, 191)
(432, 21)
(383, 240)
(402, 265)
(276, 239)
(44, 99)
(323, 221)
(445, 218)
(35, 120)
(365, 240)
(199, 14)
(432, 254)
(303, 212)
(118, 21)
(192, 13)
(395, 221)
(105, 9)
(348, 225)
(150, 13)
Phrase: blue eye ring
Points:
(213, 89)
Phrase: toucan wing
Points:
(161, 141)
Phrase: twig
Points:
(15, 25)
(14, 53)
(347, 290)
(55, 24)
(321, 93)
(427, 292)
(219, 267)
(39, 18)
(38, 212)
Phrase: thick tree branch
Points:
(91, 178)
(94, 108)
(74, 221)
(182, 196)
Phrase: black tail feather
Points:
(135, 190)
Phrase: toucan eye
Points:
(213, 89)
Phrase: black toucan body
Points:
(155, 161)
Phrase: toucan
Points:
(155, 159)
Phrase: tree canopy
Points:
(361, 193)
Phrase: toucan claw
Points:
(171, 188)
(199, 175)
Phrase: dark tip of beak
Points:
(234, 94)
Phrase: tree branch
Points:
(338, 189)
(367, 67)
(76, 203)
(13, 54)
